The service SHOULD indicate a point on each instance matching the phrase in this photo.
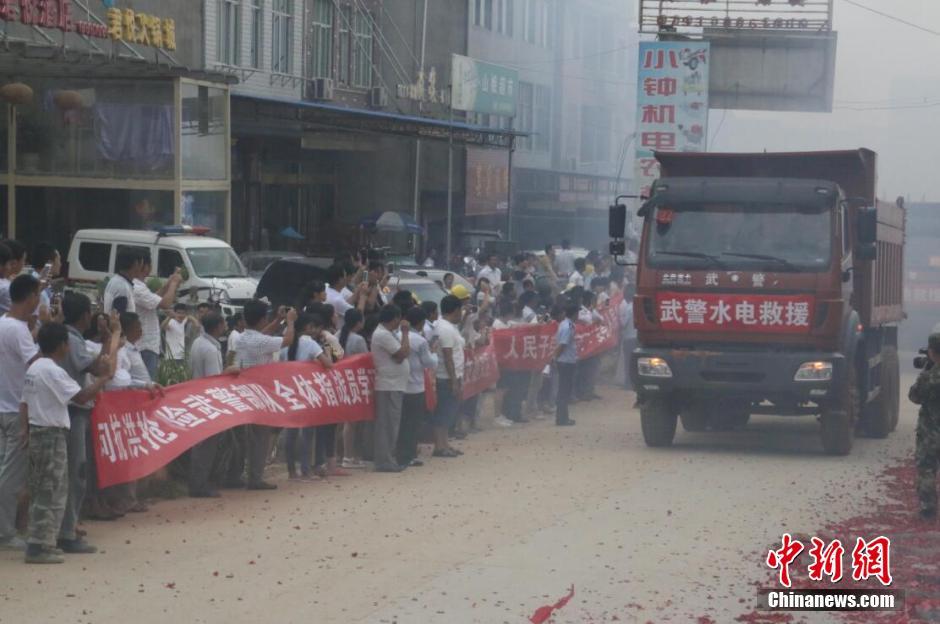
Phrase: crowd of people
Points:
(59, 351)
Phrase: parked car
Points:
(211, 270)
(284, 279)
(256, 262)
(423, 288)
(437, 275)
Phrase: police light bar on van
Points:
(198, 230)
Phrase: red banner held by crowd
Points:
(530, 347)
(481, 370)
(136, 434)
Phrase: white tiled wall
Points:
(260, 82)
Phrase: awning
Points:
(252, 111)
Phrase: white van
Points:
(213, 272)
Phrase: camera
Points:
(922, 360)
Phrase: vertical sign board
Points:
(672, 104)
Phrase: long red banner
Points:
(530, 347)
(136, 434)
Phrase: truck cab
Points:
(768, 283)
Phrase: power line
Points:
(886, 108)
(893, 18)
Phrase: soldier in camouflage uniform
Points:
(926, 393)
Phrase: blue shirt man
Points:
(566, 363)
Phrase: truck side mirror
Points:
(866, 226)
(617, 221)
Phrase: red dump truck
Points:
(768, 284)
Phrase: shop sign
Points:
(481, 87)
(424, 89)
(672, 105)
(124, 25)
(798, 15)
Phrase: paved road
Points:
(643, 534)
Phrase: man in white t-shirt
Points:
(6, 260)
(48, 390)
(390, 350)
(492, 271)
(576, 278)
(336, 286)
(174, 330)
(564, 259)
(257, 347)
(147, 304)
(119, 293)
(450, 343)
(17, 351)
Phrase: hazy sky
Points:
(879, 64)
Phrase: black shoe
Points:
(389, 468)
(76, 547)
(565, 423)
(929, 513)
(204, 494)
(233, 484)
(261, 485)
(417, 463)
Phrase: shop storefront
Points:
(109, 129)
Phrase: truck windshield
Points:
(215, 262)
(768, 237)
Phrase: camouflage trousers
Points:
(48, 483)
(927, 457)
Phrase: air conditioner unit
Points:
(320, 89)
(378, 97)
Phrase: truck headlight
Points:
(653, 367)
(814, 371)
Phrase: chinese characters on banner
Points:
(747, 313)
(135, 435)
(869, 559)
(481, 370)
(672, 104)
(530, 347)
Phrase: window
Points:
(230, 17)
(530, 21)
(503, 17)
(488, 14)
(167, 261)
(257, 21)
(282, 36)
(95, 257)
(476, 6)
(542, 119)
(345, 21)
(595, 134)
(362, 49)
(548, 23)
(320, 51)
(525, 114)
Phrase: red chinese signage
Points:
(136, 434)
(692, 15)
(531, 347)
(747, 313)
(481, 370)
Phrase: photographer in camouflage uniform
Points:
(926, 393)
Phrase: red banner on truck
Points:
(775, 314)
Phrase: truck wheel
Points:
(838, 419)
(881, 415)
(659, 420)
(694, 420)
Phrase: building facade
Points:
(105, 124)
(577, 68)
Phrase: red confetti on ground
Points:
(915, 555)
(542, 614)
